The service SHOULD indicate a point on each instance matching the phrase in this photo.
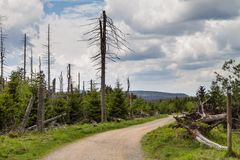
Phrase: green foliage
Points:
(91, 106)
(169, 143)
(229, 77)
(13, 101)
(216, 96)
(76, 109)
(56, 106)
(117, 102)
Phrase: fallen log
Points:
(196, 131)
(200, 138)
(47, 121)
(213, 118)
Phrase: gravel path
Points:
(120, 144)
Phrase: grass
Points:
(175, 144)
(35, 145)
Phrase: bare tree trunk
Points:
(54, 85)
(40, 109)
(103, 67)
(31, 65)
(49, 62)
(79, 82)
(129, 97)
(91, 85)
(61, 83)
(40, 64)
(2, 60)
(69, 89)
(229, 120)
(21, 127)
(24, 56)
(83, 91)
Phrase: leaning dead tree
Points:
(202, 121)
(22, 125)
(110, 40)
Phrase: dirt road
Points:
(121, 144)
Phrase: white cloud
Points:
(178, 44)
(21, 13)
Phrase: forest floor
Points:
(170, 143)
(121, 144)
(33, 145)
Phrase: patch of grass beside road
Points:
(167, 143)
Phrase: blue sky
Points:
(57, 6)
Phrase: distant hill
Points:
(153, 95)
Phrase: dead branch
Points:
(191, 123)
(48, 121)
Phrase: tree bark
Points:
(200, 138)
(211, 118)
(48, 121)
(21, 127)
(229, 120)
(103, 67)
(40, 109)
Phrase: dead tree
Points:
(229, 120)
(31, 65)
(48, 121)
(40, 109)
(69, 77)
(106, 35)
(83, 90)
(91, 85)
(61, 83)
(39, 64)
(49, 60)
(190, 123)
(22, 125)
(24, 56)
(54, 85)
(79, 82)
(2, 49)
(129, 96)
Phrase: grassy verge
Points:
(35, 145)
(167, 143)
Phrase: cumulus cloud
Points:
(173, 16)
(178, 44)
